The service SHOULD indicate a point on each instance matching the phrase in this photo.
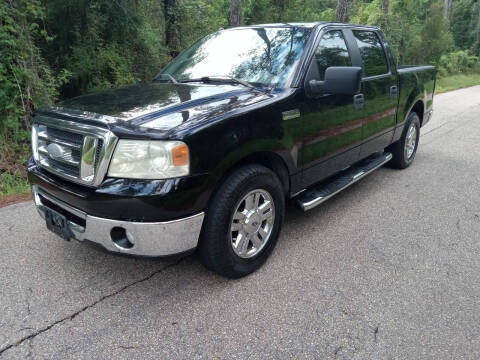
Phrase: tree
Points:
(463, 18)
(342, 11)
(25, 78)
(385, 5)
(172, 36)
(447, 5)
(431, 47)
(235, 13)
(476, 32)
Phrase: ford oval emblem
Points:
(56, 151)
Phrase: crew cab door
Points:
(379, 88)
(331, 124)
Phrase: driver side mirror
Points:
(339, 80)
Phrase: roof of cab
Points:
(304, 25)
(290, 24)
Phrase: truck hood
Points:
(157, 108)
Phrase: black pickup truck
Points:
(206, 155)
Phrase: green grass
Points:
(454, 82)
(14, 153)
(15, 183)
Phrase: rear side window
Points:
(332, 51)
(373, 55)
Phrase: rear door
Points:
(379, 88)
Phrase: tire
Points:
(223, 250)
(404, 150)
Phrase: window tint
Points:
(371, 49)
(331, 51)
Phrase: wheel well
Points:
(419, 109)
(268, 159)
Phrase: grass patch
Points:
(14, 154)
(454, 82)
(13, 183)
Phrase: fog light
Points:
(120, 238)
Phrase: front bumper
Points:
(151, 239)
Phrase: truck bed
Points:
(415, 82)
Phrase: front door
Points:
(331, 126)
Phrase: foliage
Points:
(13, 183)
(466, 24)
(458, 62)
(25, 79)
(104, 43)
(431, 47)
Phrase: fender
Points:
(266, 152)
(416, 97)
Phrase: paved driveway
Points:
(388, 269)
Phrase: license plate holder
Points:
(58, 224)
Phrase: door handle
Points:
(358, 101)
(393, 91)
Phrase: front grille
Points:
(98, 151)
(66, 168)
(58, 146)
(76, 139)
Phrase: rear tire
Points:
(251, 199)
(405, 148)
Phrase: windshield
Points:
(261, 56)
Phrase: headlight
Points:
(156, 159)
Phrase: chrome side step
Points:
(318, 194)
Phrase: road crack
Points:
(337, 350)
(78, 312)
(28, 301)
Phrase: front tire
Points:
(242, 222)
(404, 150)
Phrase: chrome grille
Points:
(72, 150)
(66, 168)
(72, 138)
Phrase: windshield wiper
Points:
(224, 79)
(168, 76)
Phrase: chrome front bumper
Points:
(144, 238)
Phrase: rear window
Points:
(373, 55)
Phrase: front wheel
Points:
(404, 150)
(243, 222)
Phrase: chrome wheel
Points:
(252, 223)
(410, 141)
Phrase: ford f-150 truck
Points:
(206, 155)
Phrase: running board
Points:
(318, 194)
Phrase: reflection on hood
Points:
(162, 106)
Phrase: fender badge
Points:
(290, 114)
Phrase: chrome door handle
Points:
(393, 91)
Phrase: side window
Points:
(373, 55)
(332, 51)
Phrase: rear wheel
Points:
(404, 150)
(243, 222)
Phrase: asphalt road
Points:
(388, 269)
